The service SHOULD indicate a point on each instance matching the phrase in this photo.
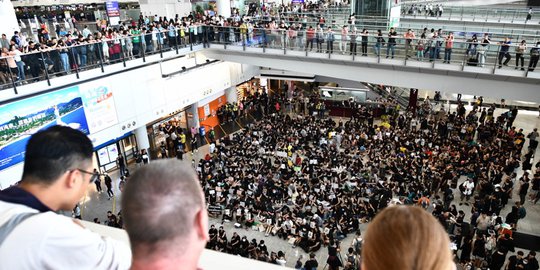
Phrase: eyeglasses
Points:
(94, 176)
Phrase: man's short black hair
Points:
(52, 152)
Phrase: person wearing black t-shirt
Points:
(532, 263)
(333, 260)
(212, 241)
(497, 259)
(235, 243)
(391, 42)
(221, 240)
(262, 246)
(244, 244)
(312, 263)
(514, 260)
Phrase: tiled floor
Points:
(96, 205)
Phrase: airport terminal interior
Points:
(302, 119)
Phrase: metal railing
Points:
(46, 62)
(429, 53)
(57, 59)
(476, 14)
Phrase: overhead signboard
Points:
(113, 9)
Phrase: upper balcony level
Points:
(468, 67)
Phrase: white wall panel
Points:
(143, 96)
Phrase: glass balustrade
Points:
(470, 13)
(396, 50)
(57, 58)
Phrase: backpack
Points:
(449, 197)
(522, 212)
(357, 244)
(462, 187)
(351, 258)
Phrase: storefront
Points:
(106, 154)
(208, 112)
(156, 134)
(250, 87)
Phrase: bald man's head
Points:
(160, 205)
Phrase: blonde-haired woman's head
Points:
(406, 238)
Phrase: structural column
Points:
(193, 121)
(231, 94)
(142, 138)
(224, 8)
(9, 20)
(168, 8)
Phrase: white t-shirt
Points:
(52, 241)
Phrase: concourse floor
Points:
(96, 205)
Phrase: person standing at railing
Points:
(172, 34)
(155, 33)
(420, 47)
(83, 51)
(250, 32)
(330, 38)
(32, 59)
(63, 50)
(409, 37)
(243, 33)
(472, 44)
(343, 39)
(429, 42)
(449, 44)
(16, 56)
(128, 43)
(319, 36)
(504, 52)
(310, 36)
(300, 34)
(520, 50)
(291, 34)
(92, 49)
(365, 36)
(392, 34)
(436, 47)
(282, 32)
(136, 40)
(379, 42)
(352, 43)
(161, 36)
(482, 50)
(11, 65)
(535, 55)
(115, 49)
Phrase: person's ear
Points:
(201, 224)
(70, 178)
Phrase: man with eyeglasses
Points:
(57, 170)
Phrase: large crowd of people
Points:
(71, 48)
(311, 180)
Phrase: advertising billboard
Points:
(20, 119)
(88, 108)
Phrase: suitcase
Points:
(473, 61)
